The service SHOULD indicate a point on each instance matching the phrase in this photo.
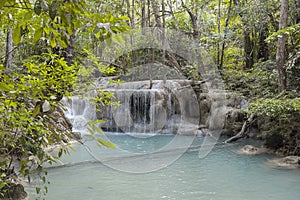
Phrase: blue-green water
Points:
(222, 175)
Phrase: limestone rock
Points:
(252, 150)
(289, 162)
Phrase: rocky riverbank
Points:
(281, 137)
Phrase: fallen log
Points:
(243, 131)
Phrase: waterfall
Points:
(165, 108)
(79, 111)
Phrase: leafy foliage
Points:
(26, 130)
(48, 36)
(252, 83)
(283, 109)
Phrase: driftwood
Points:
(243, 132)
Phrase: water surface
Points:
(222, 175)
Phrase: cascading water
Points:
(79, 111)
(162, 109)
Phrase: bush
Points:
(251, 83)
(25, 128)
(281, 109)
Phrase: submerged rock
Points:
(289, 162)
(251, 150)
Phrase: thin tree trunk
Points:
(225, 36)
(193, 19)
(128, 12)
(164, 40)
(263, 46)
(132, 14)
(9, 49)
(219, 32)
(143, 10)
(242, 132)
(156, 13)
(195, 33)
(173, 16)
(281, 48)
(69, 52)
(298, 11)
(248, 50)
(149, 13)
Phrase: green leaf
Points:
(38, 190)
(53, 10)
(2, 185)
(97, 35)
(38, 34)
(4, 87)
(16, 35)
(60, 152)
(36, 111)
(106, 143)
(98, 130)
(53, 43)
(37, 7)
(93, 122)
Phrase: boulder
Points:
(288, 162)
(251, 150)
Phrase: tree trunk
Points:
(149, 13)
(69, 52)
(248, 50)
(128, 12)
(193, 19)
(263, 46)
(156, 13)
(173, 16)
(164, 42)
(143, 10)
(9, 49)
(298, 11)
(195, 33)
(132, 14)
(225, 36)
(281, 48)
(243, 131)
(219, 32)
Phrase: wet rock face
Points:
(156, 109)
(204, 108)
(163, 108)
(226, 106)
